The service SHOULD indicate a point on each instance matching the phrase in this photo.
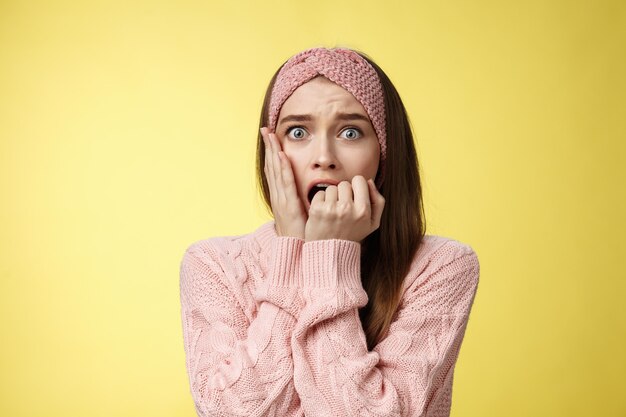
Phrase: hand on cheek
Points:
(349, 211)
(287, 208)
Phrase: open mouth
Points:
(315, 189)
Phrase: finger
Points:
(263, 131)
(318, 198)
(269, 168)
(277, 165)
(268, 140)
(331, 193)
(266, 144)
(286, 192)
(361, 192)
(276, 147)
(289, 182)
(378, 202)
(345, 192)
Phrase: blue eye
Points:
(296, 132)
(351, 133)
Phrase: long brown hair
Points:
(387, 253)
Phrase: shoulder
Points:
(442, 269)
(214, 249)
(232, 256)
(205, 264)
(220, 270)
(211, 250)
(435, 252)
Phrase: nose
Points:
(324, 155)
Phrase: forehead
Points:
(320, 91)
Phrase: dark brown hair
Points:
(387, 253)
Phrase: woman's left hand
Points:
(289, 214)
(349, 211)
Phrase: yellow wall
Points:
(127, 132)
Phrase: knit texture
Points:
(271, 328)
(345, 68)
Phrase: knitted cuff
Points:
(331, 263)
(285, 268)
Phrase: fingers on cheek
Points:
(284, 161)
(275, 142)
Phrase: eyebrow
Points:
(308, 117)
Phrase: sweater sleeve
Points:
(238, 356)
(409, 373)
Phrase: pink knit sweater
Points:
(271, 328)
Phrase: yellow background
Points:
(127, 132)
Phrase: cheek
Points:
(370, 170)
(366, 163)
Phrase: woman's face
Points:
(327, 136)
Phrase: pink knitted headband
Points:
(345, 68)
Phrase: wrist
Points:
(288, 232)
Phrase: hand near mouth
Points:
(349, 211)
(289, 213)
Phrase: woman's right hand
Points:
(288, 210)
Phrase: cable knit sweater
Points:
(271, 328)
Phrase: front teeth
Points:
(323, 185)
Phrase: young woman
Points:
(341, 306)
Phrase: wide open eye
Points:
(296, 132)
(351, 133)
